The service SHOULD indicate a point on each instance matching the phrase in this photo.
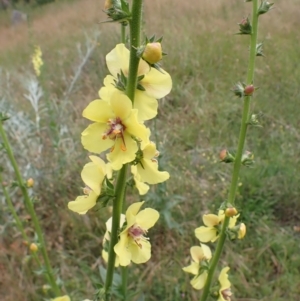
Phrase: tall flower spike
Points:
(133, 244)
(210, 232)
(93, 174)
(115, 125)
(199, 255)
(147, 167)
(155, 84)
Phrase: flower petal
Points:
(193, 268)
(93, 176)
(121, 249)
(223, 279)
(206, 251)
(121, 105)
(91, 138)
(83, 203)
(157, 84)
(210, 220)
(205, 234)
(131, 213)
(198, 282)
(117, 60)
(146, 105)
(147, 218)
(140, 254)
(118, 156)
(149, 172)
(134, 128)
(98, 110)
(197, 253)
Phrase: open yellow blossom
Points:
(199, 255)
(224, 291)
(63, 298)
(106, 239)
(147, 168)
(115, 125)
(212, 222)
(156, 84)
(93, 174)
(133, 245)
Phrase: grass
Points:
(195, 121)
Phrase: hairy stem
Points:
(239, 152)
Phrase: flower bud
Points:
(152, 53)
(245, 26)
(231, 211)
(248, 91)
(33, 247)
(226, 156)
(238, 89)
(30, 183)
(264, 7)
(46, 288)
(108, 4)
(242, 231)
(248, 159)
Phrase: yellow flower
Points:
(224, 291)
(199, 255)
(37, 61)
(156, 84)
(63, 298)
(212, 222)
(115, 125)
(93, 174)
(147, 168)
(133, 245)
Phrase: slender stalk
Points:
(246, 109)
(135, 38)
(117, 210)
(237, 163)
(30, 208)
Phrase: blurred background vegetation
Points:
(199, 118)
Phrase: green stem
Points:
(237, 163)
(116, 214)
(135, 38)
(30, 208)
(246, 109)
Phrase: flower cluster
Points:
(201, 256)
(118, 133)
